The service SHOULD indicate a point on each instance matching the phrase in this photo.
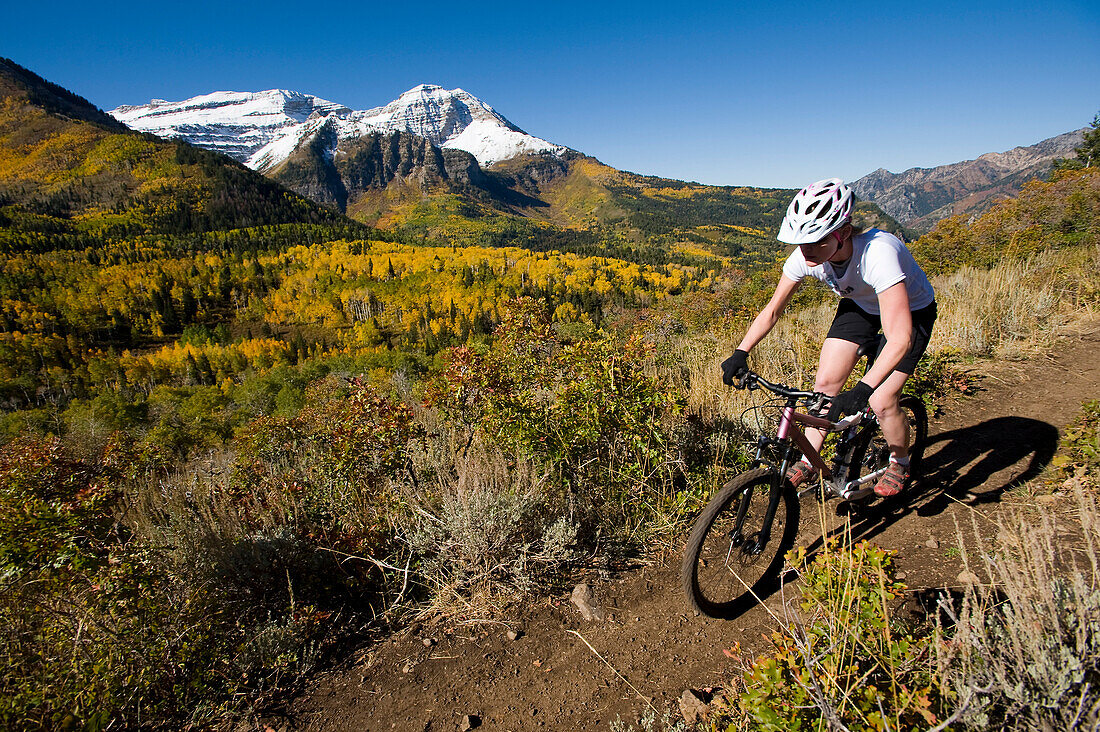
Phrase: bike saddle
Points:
(871, 348)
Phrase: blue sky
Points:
(769, 94)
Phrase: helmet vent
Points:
(819, 209)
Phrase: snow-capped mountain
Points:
(263, 129)
(238, 124)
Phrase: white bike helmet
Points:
(818, 210)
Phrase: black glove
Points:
(735, 367)
(850, 402)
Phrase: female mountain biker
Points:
(881, 288)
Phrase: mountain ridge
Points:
(439, 163)
(919, 197)
(69, 167)
(16, 80)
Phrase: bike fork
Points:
(775, 495)
(769, 516)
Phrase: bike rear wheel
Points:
(873, 454)
(729, 564)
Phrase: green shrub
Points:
(55, 511)
(115, 645)
(607, 430)
(189, 419)
(938, 375)
(1080, 445)
(845, 662)
(215, 587)
(92, 631)
(333, 466)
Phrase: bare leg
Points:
(895, 428)
(838, 358)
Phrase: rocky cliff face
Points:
(919, 197)
(336, 172)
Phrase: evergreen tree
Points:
(1088, 153)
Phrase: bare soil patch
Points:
(650, 647)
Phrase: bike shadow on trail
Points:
(975, 464)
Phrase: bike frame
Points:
(791, 436)
(792, 441)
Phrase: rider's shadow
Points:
(974, 464)
(981, 462)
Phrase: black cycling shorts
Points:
(855, 325)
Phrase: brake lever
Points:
(817, 406)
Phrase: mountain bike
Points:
(736, 549)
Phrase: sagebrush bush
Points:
(489, 530)
(1023, 650)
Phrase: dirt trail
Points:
(549, 678)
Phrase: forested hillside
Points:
(135, 265)
(569, 202)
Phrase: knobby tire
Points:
(722, 579)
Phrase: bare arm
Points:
(769, 316)
(897, 326)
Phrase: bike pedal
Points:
(852, 506)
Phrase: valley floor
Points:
(649, 644)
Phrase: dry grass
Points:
(1016, 309)
(789, 354)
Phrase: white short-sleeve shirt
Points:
(879, 260)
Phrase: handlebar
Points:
(752, 381)
(815, 400)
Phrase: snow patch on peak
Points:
(261, 129)
(285, 143)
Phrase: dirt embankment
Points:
(561, 672)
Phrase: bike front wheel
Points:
(732, 559)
